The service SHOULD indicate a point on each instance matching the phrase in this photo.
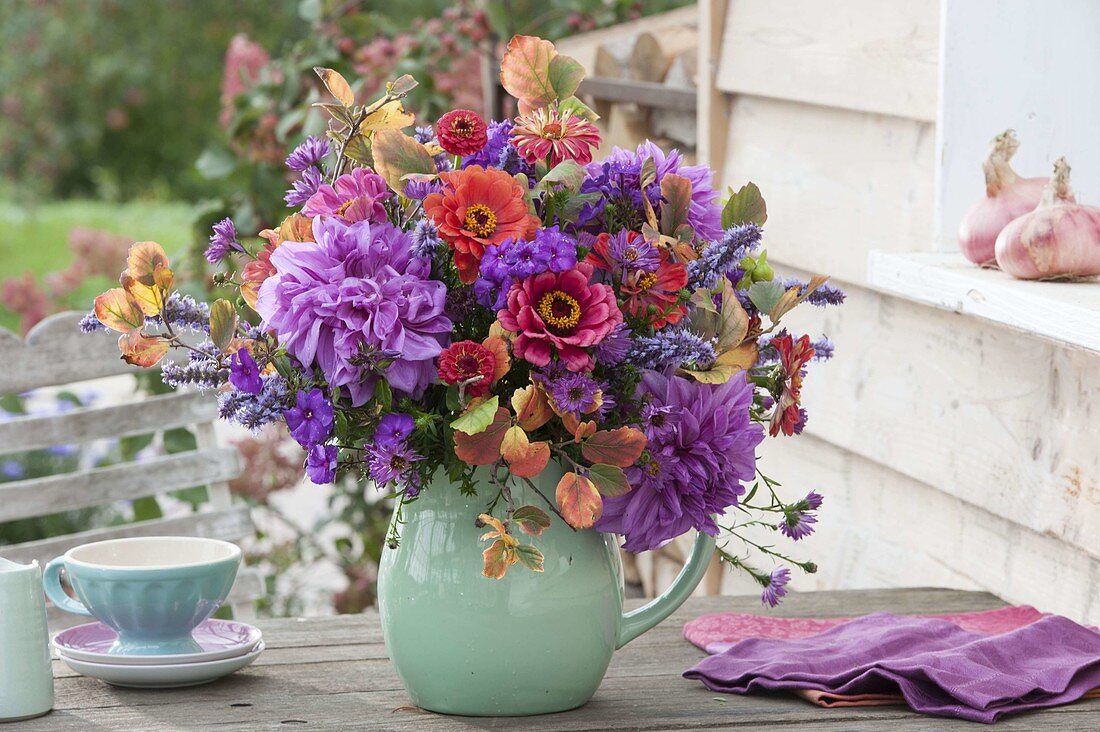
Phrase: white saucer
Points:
(92, 643)
(162, 676)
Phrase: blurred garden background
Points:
(124, 121)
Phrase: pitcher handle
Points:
(636, 622)
(51, 583)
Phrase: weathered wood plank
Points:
(712, 121)
(56, 352)
(163, 412)
(24, 498)
(838, 183)
(875, 56)
(644, 93)
(585, 46)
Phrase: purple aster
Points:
(671, 348)
(393, 429)
(776, 587)
(222, 241)
(390, 462)
(574, 393)
(309, 154)
(704, 461)
(356, 196)
(419, 189)
(812, 501)
(244, 374)
(321, 462)
(310, 419)
(797, 524)
(304, 188)
(723, 256)
(357, 287)
(613, 349)
(632, 252)
(660, 420)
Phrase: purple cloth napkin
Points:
(938, 667)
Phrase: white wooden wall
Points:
(952, 451)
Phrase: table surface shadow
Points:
(333, 673)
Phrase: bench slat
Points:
(163, 412)
(81, 489)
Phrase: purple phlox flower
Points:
(671, 347)
(202, 370)
(418, 190)
(244, 373)
(222, 241)
(708, 455)
(425, 237)
(797, 524)
(12, 469)
(310, 419)
(633, 253)
(321, 463)
(776, 587)
(822, 297)
(256, 410)
(303, 189)
(615, 346)
(358, 286)
(517, 259)
(394, 428)
(574, 393)
(309, 154)
(723, 256)
(823, 349)
(90, 323)
(390, 462)
(356, 196)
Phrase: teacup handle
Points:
(51, 583)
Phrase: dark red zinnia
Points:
(463, 361)
(793, 357)
(461, 132)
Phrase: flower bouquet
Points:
(520, 343)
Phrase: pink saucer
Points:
(219, 639)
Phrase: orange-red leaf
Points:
(620, 447)
(578, 501)
(533, 72)
(502, 361)
(143, 260)
(531, 520)
(532, 408)
(484, 447)
(525, 459)
(141, 350)
(498, 557)
(119, 310)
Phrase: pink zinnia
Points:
(356, 196)
(547, 132)
(560, 311)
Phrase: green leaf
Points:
(609, 480)
(565, 75)
(529, 557)
(477, 417)
(531, 520)
(383, 395)
(146, 509)
(223, 323)
(577, 108)
(397, 155)
(401, 86)
(358, 149)
(216, 163)
(746, 206)
(567, 173)
(765, 295)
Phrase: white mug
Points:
(26, 675)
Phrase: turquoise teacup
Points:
(151, 590)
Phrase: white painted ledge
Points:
(1066, 312)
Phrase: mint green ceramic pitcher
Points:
(525, 644)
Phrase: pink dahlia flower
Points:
(562, 312)
(356, 196)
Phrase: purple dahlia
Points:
(696, 457)
(358, 289)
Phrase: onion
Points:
(1007, 196)
(1058, 240)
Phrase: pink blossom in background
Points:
(243, 61)
(24, 297)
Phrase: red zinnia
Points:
(793, 357)
(478, 207)
(547, 133)
(465, 360)
(461, 132)
(655, 296)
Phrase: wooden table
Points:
(332, 673)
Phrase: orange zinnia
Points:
(478, 207)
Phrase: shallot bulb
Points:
(1058, 240)
(1007, 196)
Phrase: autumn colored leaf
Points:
(531, 520)
(609, 480)
(143, 260)
(142, 350)
(579, 501)
(567, 174)
(498, 558)
(396, 155)
(746, 206)
(525, 459)
(402, 85)
(792, 298)
(502, 361)
(728, 363)
(336, 84)
(583, 431)
(478, 416)
(484, 447)
(531, 407)
(534, 72)
(733, 320)
(621, 447)
(529, 557)
(676, 195)
(390, 116)
(497, 529)
(149, 299)
(119, 310)
(223, 323)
